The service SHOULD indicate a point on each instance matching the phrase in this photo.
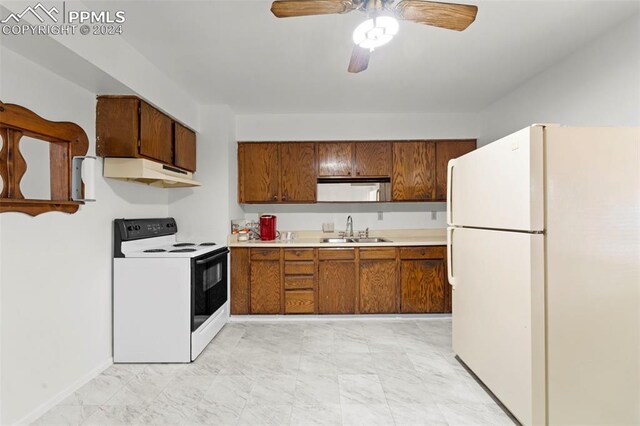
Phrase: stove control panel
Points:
(135, 229)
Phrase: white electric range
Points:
(169, 297)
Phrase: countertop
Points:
(396, 237)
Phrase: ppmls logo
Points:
(51, 21)
(33, 10)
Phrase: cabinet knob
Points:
(358, 173)
(275, 198)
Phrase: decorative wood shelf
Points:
(66, 140)
(35, 207)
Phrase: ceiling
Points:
(237, 53)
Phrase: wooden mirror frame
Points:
(66, 140)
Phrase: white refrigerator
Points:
(544, 260)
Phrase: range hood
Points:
(353, 190)
(148, 172)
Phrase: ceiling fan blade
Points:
(444, 15)
(359, 59)
(291, 8)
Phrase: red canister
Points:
(267, 227)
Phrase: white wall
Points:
(299, 127)
(204, 212)
(598, 85)
(55, 280)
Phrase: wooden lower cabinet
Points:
(339, 280)
(336, 281)
(378, 280)
(265, 283)
(299, 302)
(240, 281)
(422, 286)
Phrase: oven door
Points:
(208, 286)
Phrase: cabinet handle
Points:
(358, 173)
(275, 198)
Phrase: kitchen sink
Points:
(354, 240)
(369, 240)
(336, 240)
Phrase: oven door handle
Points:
(209, 259)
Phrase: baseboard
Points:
(61, 396)
(350, 317)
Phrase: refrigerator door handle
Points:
(450, 166)
(451, 278)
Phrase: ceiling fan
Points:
(380, 28)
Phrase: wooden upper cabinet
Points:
(258, 173)
(126, 126)
(117, 124)
(448, 150)
(298, 172)
(335, 159)
(413, 175)
(155, 134)
(373, 159)
(184, 147)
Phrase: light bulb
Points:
(375, 32)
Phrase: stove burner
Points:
(208, 244)
(183, 244)
(154, 250)
(184, 250)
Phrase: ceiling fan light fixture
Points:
(375, 32)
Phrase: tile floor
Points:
(375, 372)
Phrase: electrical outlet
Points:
(327, 227)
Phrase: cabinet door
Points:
(422, 286)
(184, 145)
(298, 172)
(335, 159)
(445, 151)
(378, 287)
(117, 122)
(265, 287)
(337, 287)
(155, 134)
(240, 281)
(413, 176)
(258, 172)
(373, 159)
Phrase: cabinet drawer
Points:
(265, 254)
(298, 254)
(296, 282)
(377, 253)
(299, 302)
(299, 268)
(433, 252)
(337, 254)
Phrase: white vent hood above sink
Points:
(332, 190)
(148, 172)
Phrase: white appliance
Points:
(169, 298)
(544, 260)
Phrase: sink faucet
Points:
(349, 230)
